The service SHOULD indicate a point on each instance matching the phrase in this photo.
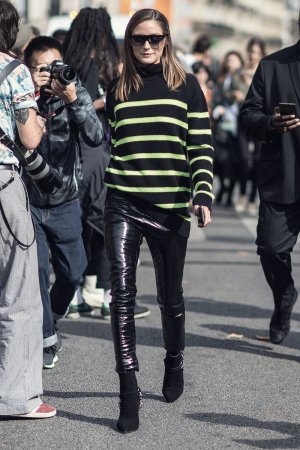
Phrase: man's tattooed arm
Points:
(22, 115)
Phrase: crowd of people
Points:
(130, 140)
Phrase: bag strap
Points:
(8, 69)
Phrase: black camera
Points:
(64, 73)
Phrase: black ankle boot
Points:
(281, 319)
(130, 402)
(129, 411)
(173, 379)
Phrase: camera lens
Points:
(66, 74)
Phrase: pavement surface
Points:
(240, 392)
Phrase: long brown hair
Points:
(130, 79)
(9, 25)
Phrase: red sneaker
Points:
(41, 412)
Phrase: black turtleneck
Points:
(150, 69)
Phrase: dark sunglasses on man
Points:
(154, 40)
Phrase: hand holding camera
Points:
(40, 77)
(57, 79)
(285, 118)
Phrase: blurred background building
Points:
(229, 22)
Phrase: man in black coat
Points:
(277, 80)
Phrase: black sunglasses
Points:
(153, 39)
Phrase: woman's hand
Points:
(205, 213)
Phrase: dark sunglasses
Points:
(153, 39)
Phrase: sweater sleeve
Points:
(199, 148)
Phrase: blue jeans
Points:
(58, 228)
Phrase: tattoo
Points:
(22, 115)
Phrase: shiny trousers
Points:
(125, 227)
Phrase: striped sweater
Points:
(161, 148)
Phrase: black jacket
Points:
(276, 80)
(59, 146)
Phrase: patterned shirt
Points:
(16, 92)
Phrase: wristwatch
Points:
(76, 102)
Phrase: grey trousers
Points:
(20, 305)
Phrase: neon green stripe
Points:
(205, 192)
(152, 120)
(163, 101)
(141, 173)
(207, 158)
(148, 189)
(184, 217)
(202, 182)
(206, 131)
(198, 115)
(172, 205)
(202, 171)
(149, 156)
(197, 147)
(149, 137)
(113, 141)
(112, 124)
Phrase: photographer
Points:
(20, 301)
(69, 112)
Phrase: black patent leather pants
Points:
(125, 227)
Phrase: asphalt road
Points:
(240, 392)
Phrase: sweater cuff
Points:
(203, 199)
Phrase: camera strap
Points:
(8, 142)
(8, 69)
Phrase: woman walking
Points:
(161, 140)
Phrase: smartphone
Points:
(287, 109)
(201, 217)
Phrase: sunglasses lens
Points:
(138, 40)
(153, 39)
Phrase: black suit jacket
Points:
(276, 80)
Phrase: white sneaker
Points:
(252, 210)
(92, 295)
(242, 204)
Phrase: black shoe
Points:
(130, 404)
(58, 346)
(173, 380)
(84, 309)
(280, 322)
(49, 357)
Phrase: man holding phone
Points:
(270, 114)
